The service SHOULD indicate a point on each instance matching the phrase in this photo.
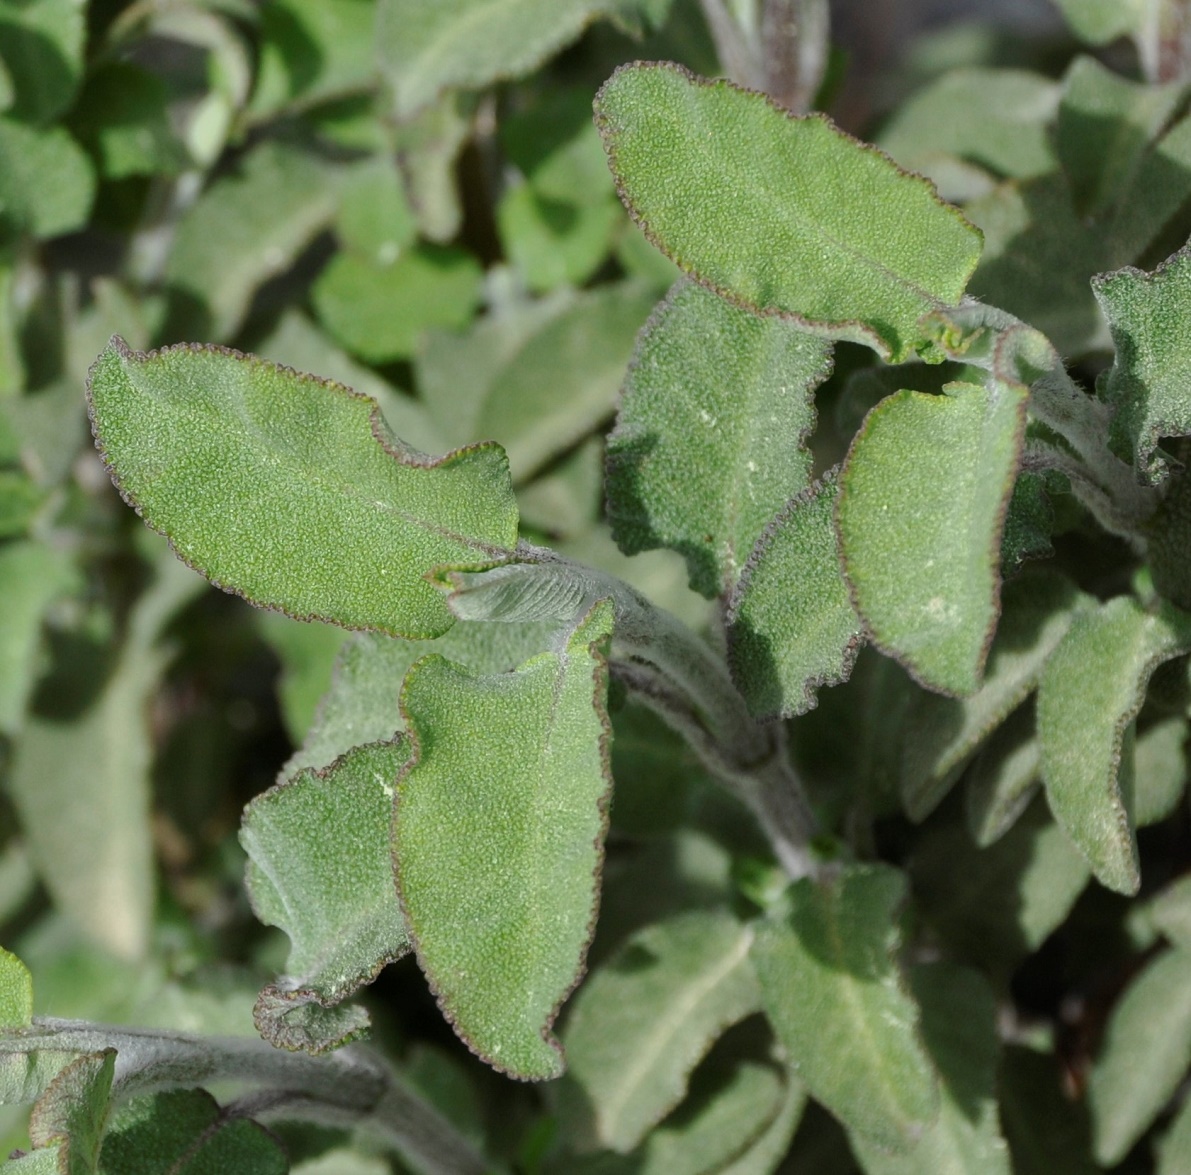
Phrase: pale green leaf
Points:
(943, 733)
(1092, 689)
(959, 1028)
(1160, 771)
(361, 704)
(1174, 1151)
(428, 147)
(834, 995)
(791, 623)
(46, 180)
(643, 1021)
(73, 1111)
(16, 992)
(184, 1132)
(245, 228)
(1148, 379)
(41, 44)
(427, 46)
(1004, 777)
(1048, 1133)
(81, 784)
(565, 380)
(1105, 124)
(829, 232)
(498, 839)
(996, 905)
(307, 652)
(709, 437)
(320, 868)
(995, 117)
(1145, 1054)
(379, 310)
(288, 489)
(1100, 21)
(1170, 912)
(41, 1162)
(31, 576)
(922, 507)
(375, 219)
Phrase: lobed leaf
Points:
(1147, 382)
(784, 215)
(709, 439)
(959, 1028)
(924, 491)
(319, 867)
(498, 839)
(943, 733)
(289, 490)
(1092, 689)
(643, 1021)
(1144, 1056)
(791, 623)
(832, 991)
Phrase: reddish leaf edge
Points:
(850, 330)
(600, 677)
(382, 434)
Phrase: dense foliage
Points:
(790, 778)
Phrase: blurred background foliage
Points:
(289, 178)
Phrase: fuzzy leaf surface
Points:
(290, 490)
(834, 994)
(16, 992)
(1004, 776)
(921, 512)
(1092, 689)
(320, 868)
(708, 444)
(1146, 1051)
(498, 839)
(73, 1111)
(791, 623)
(960, 1032)
(1147, 383)
(827, 230)
(644, 1019)
(943, 733)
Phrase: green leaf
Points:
(942, 734)
(245, 228)
(682, 150)
(1174, 1150)
(1147, 382)
(1092, 689)
(791, 623)
(32, 575)
(834, 995)
(378, 311)
(959, 1028)
(81, 786)
(361, 704)
(1143, 1058)
(1160, 771)
(564, 381)
(184, 1132)
(1170, 912)
(74, 1110)
(320, 868)
(307, 653)
(46, 181)
(41, 44)
(1048, 1132)
(1004, 777)
(427, 46)
(19, 500)
(995, 906)
(643, 1021)
(921, 512)
(1105, 125)
(498, 839)
(709, 438)
(1101, 21)
(375, 219)
(995, 117)
(288, 489)
(16, 992)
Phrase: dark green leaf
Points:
(921, 512)
(498, 839)
(709, 439)
(41, 44)
(290, 490)
(1048, 1133)
(770, 238)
